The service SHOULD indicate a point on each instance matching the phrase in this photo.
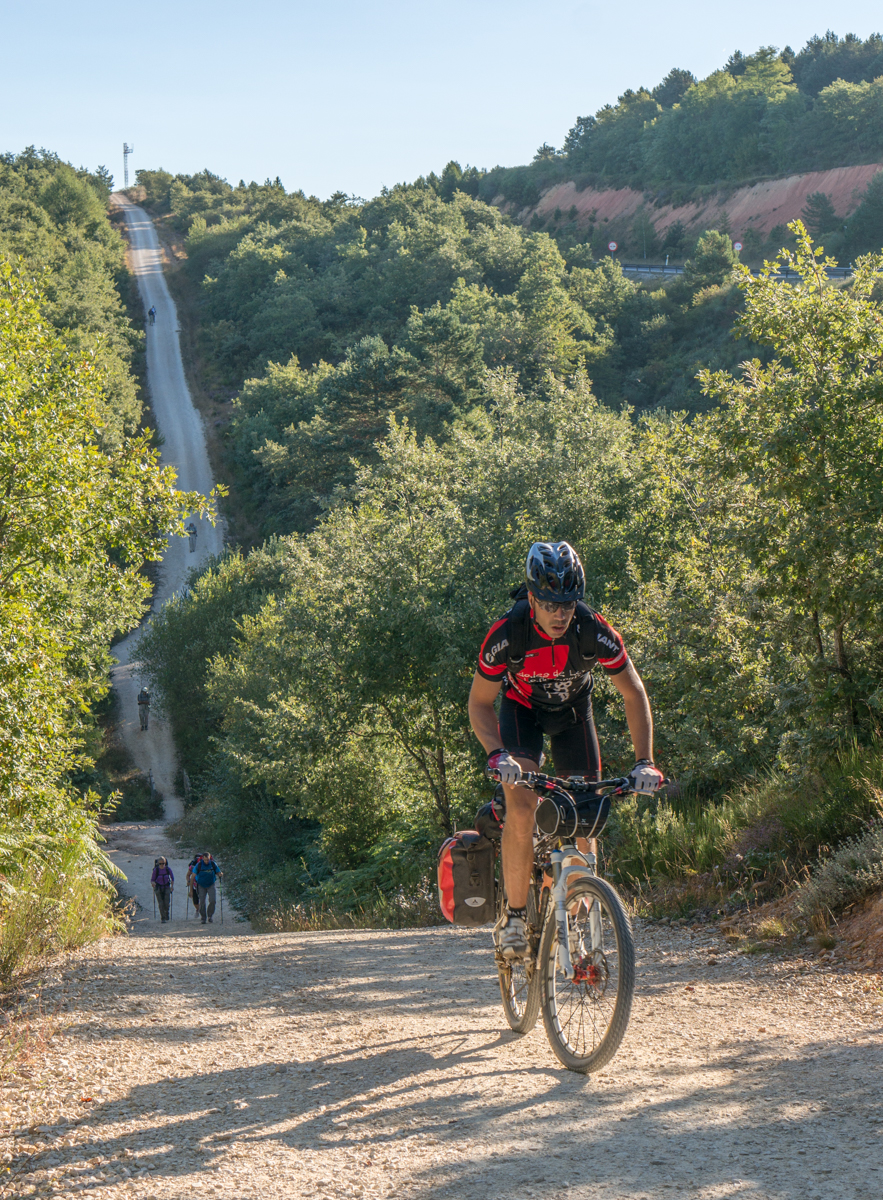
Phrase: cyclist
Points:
(542, 652)
(151, 312)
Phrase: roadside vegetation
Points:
(322, 714)
(83, 505)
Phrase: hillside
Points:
(759, 207)
(747, 146)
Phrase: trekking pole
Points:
(154, 903)
(221, 896)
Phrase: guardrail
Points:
(662, 269)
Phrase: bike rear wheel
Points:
(586, 1017)
(520, 988)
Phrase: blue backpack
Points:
(206, 873)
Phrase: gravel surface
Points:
(378, 1064)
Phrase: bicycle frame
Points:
(561, 873)
(564, 868)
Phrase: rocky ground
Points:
(191, 1061)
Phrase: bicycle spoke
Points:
(586, 1016)
(520, 983)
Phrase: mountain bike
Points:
(581, 970)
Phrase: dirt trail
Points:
(184, 448)
(378, 1064)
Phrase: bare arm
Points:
(637, 710)
(481, 712)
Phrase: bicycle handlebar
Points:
(537, 782)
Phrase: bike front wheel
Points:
(586, 1017)
(520, 988)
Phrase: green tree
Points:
(673, 87)
(712, 261)
(803, 437)
(72, 201)
(818, 214)
(77, 522)
(865, 229)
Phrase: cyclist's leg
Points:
(575, 751)
(522, 736)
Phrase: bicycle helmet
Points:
(554, 572)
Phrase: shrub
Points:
(853, 871)
(56, 895)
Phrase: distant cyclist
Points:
(191, 536)
(151, 313)
(542, 652)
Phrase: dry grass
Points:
(404, 912)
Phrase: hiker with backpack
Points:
(144, 708)
(192, 889)
(205, 872)
(541, 653)
(163, 883)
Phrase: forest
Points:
(770, 113)
(324, 318)
(419, 385)
(84, 504)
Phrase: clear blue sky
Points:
(343, 95)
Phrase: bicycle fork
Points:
(562, 870)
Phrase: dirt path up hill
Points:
(183, 446)
(378, 1064)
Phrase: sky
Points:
(337, 95)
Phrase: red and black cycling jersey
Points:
(554, 674)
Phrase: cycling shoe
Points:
(510, 936)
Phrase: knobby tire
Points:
(586, 1021)
(520, 988)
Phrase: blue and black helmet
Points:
(555, 573)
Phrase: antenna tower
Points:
(127, 150)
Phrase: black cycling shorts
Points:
(573, 740)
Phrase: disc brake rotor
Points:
(591, 972)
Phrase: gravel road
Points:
(183, 447)
(378, 1064)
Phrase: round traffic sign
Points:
(611, 246)
(737, 246)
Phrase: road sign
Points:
(737, 246)
(612, 246)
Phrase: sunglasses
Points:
(551, 606)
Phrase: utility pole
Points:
(127, 150)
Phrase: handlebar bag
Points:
(466, 887)
(566, 817)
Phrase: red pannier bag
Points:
(466, 886)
